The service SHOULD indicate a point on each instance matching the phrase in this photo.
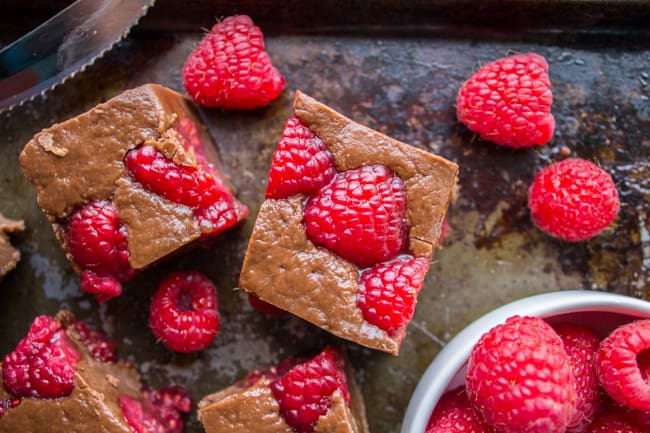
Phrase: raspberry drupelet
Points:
(349, 225)
(129, 183)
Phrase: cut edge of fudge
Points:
(283, 267)
(81, 160)
(252, 408)
(9, 255)
(93, 402)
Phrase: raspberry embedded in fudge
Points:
(102, 179)
(316, 395)
(321, 248)
(64, 375)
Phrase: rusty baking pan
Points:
(394, 66)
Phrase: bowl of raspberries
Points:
(559, 362)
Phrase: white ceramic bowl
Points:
(601, 311)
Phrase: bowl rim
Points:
(451, 359)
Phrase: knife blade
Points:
(63, 46)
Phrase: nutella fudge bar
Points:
(349, 225)
(64, 377)
(274, 400)
(128, 183)
(9, 256)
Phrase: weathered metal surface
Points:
(404, 84)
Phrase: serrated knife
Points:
(64, 45)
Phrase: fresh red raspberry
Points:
(100, 345)
(508, 101)
(265, 308)
(104, 288)
(618, 368)
(184, 312)
(43, 363)
(301, 163)
(195, 187)
(99, 245)
(304, 393)
(612, 423)
(573, 199)
(454, 414)
(388, 292)
(360, 215)
(169, 403)
(519, 378)
(581, 344)
(230, 69)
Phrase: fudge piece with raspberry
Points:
(304, 396)
(348, 228)
(128, 183)
(64, 376)
(9, 256)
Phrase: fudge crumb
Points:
(170, 144)
(47, 143)
(114, 381)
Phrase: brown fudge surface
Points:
(92, 407)
(283, 267)
(9, 256)
(80, 160)
(237, 409)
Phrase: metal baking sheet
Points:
(396, 67)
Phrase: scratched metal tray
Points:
(394, 66)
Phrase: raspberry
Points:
(581, 345)
(100, 346)
(195, 187)
(360, 215)
(301, 163)
(573, 199)
(184, 312)
(159, 411)
(230, 69)
(454, 414)
(612, 423)
(388, 292)
(169, 403)
(99, 245)
(304, 393)
(508, 101)
(265, 308)
(43, 363)
(617, 364)
(519, 378)
(104, 288)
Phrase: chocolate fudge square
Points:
(93, 405)
(118, 163)
(255, 403)
(285, 268)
